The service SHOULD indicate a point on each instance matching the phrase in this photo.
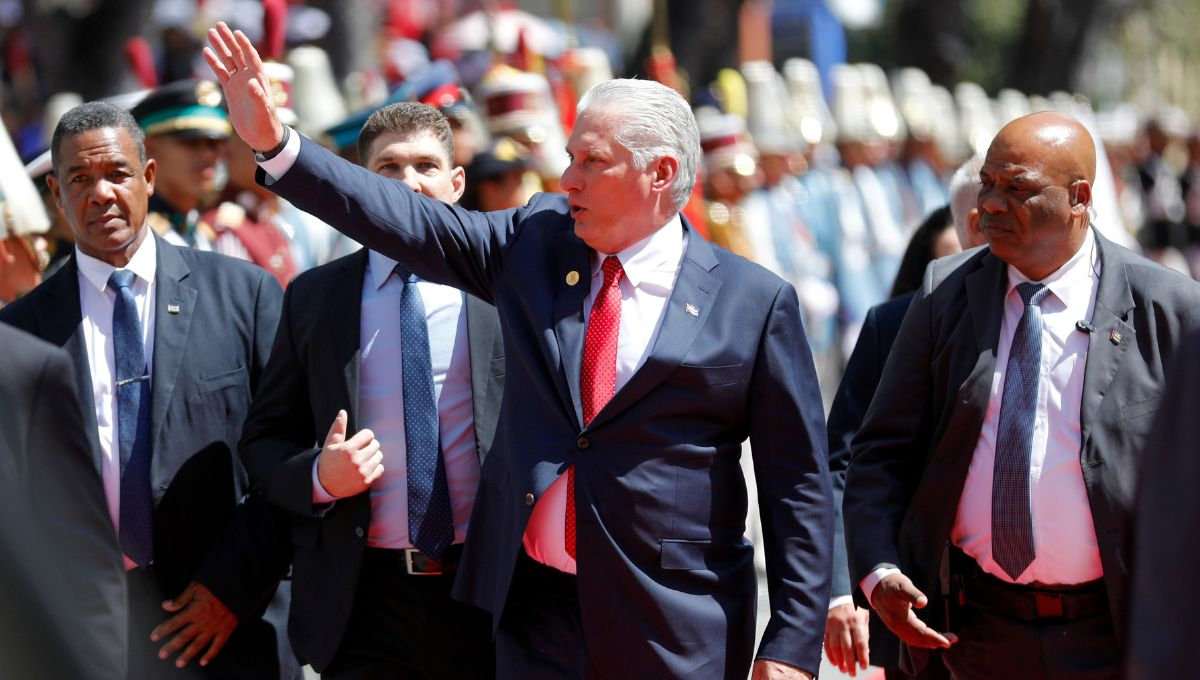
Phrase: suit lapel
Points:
(60, 322)
(687, 309)
(171, 330)
(571, 255)
(1113, 335)
(345, 314)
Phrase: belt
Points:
(1032, 602)
(417, 563)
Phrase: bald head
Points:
(1036, 185)
(1060, 143)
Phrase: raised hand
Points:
(346, 467)
(238, 69)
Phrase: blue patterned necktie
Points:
(1012, 523)
(133, 422)
(430, 523)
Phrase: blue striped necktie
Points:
(133, 422)
(1012, 523)
(430, 522)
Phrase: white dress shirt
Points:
(96, 302)
(1064, 538)
(651, 268)
(381, 400)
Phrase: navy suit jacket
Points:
(208, 356)
(911, 457)
(312, 374)
(854, 395)
(665, 575)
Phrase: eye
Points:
(427, 167)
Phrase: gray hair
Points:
(964, 194)
(654, 122)
(95, 116)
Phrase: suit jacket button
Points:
(529, 499)
(358, 531)
(582, 443)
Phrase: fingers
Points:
(169, 626)
(229, 44)
(182, 600)
(197, 644)
(918, 634)
(220, 49)
(862, 649)
(360, 439)
(250, 54)
(372, 469)
(181, 639)
(337, 431)
(218, 643)
(214, 63)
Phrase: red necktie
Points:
(598, 378)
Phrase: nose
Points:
(988, 202)
(570, 180)
(411, 179)
(102, 192)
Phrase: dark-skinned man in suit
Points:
(988, 498)
(607, 538)
(168, 344)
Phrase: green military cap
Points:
(190, 108)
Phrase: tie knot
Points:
(612, 269)
(404, 273)
(121, 278)
(1032, 293)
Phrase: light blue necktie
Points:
(1012, 523)
(430, 522)
(133, 422)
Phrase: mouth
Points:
(577, 212)
(108, 222)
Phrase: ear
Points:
(148, 174)
(664, 171)
(1081, 197)
(458, 178)
(52, 182)
(973, 224)
(6, 256)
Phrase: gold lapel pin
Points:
(691, 309)
(572, 277)
(172, 309)
(1114, 337)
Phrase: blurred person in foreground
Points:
(988, 497)
(167, 344)
(62, 582)
(1162, 590)
(419, 412)
(607, 534)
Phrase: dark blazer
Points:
(208, 357)
(911, 457)
(57, 517)
(854, 395)
(312, 374)
(666, 577)
(1163, 589)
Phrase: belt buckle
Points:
(411, 569)
(1048, 605)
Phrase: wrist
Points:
(260, 156)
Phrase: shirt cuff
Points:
(320, 495)
(872, 579)
(280, 164)
(840, 600)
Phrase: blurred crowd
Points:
(822, 176)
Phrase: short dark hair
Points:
(95, 116)
(405, 118)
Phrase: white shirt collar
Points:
(143, 264)
(653, 260)
(379, 268)
(1073, 278)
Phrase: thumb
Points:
(337, 431)
(916, 597)
(182, 600)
